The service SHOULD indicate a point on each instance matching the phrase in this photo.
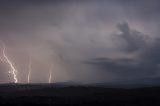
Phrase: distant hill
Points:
(49, 94)
(136, 83)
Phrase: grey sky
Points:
(87, 41)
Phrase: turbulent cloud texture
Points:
(86, 41)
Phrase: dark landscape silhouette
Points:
(59, 94)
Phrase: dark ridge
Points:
(52, 94)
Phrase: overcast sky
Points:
(87, 41)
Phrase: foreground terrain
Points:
(40, 94)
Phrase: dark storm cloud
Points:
(125, 68)
(151, 53)
(133, 39)
(144, 64)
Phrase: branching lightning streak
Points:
(13, 70)
(50, 73)
(29, 69)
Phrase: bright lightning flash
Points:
(30, 69)
(50, 73)
(13, 70)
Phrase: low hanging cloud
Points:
(151, 53)
(143, 64)
(124, 68)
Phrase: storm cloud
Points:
(86, 41)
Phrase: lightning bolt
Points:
(30, 69)
(6, 59)
(50, 73)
